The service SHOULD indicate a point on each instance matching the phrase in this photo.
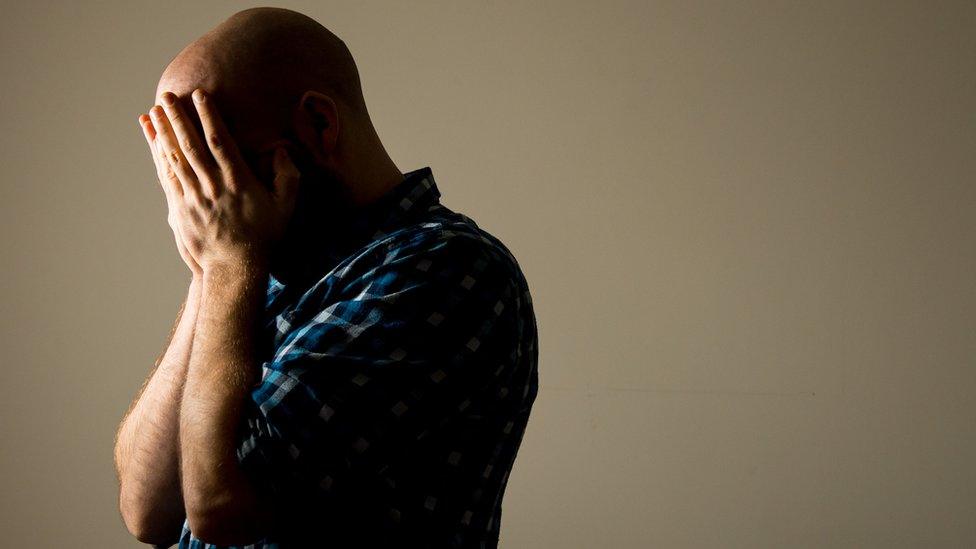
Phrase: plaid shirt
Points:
(396, 387)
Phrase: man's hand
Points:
(168, 181)
(225, 216)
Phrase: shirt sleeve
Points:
(401, 348)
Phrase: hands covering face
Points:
(222, 216)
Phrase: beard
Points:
(321, 209)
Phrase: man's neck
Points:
(370, 176)
(373, 183)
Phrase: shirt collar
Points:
(410, 198)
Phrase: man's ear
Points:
(319, 121)
(322, 115)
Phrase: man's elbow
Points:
(150, 529)
(230, 523)
(151, 524)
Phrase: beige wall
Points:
(748, 227)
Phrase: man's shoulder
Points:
(451, 236)
(439, 253)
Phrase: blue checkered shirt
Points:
(395, 387)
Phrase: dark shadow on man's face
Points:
(321, 210)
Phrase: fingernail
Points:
(169, 98)
(198, 95)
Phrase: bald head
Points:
(279, 78)
(259, 62)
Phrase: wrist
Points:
(232, 270)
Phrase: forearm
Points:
(147, 442)
(221, 505)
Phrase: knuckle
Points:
(201, 204)
(167, 166)
(236, 173)
(188, 147)
(173, 157)
(208, 188)
(186, 209)
(215, 141)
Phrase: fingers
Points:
(172, 153)
(170, 184)
(189, 142)
(219, 141)
(167, 179)
(286, 181)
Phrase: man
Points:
(355, 363)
